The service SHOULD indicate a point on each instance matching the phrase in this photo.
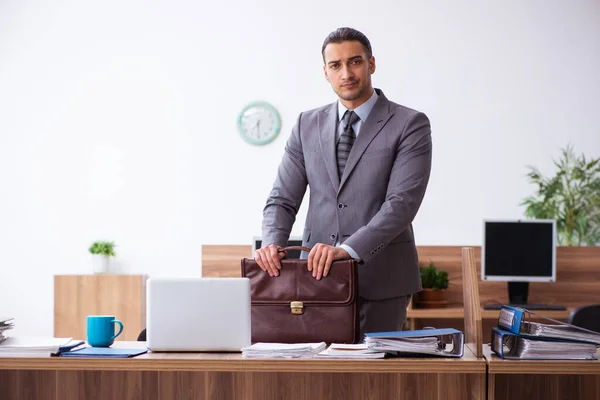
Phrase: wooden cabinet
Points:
(77, 296)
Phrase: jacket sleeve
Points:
(288, 191)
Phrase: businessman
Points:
(367, 161)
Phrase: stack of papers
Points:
(541, 348)
(30, 344)
(6, 323)
(283, 350)
(417, 344)
(559, 331)
(350, 351)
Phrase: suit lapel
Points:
(327, 133)
(371, 127)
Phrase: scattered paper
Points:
(33, 343)
(283, 350)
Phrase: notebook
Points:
(103, 352)
(198, 314)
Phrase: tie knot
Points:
(349, 119)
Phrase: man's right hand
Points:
(268, 259)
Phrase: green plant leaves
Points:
(571, 197)
(432, 278)
(104, 248)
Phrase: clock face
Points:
(259, 123)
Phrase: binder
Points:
(103, 352)
(518, 320)
(436, 342)
(514, 346)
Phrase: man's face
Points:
(349, 71)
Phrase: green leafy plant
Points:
(104, 248)
(571, 197)
(433, 278)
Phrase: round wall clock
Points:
(259, 123)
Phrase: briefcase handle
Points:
(302, 248)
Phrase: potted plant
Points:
(571, 197)
(101, 253)
(435, 283)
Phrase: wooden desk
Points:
(229, 376)
(547, 379)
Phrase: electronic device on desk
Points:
(293, 241)
(519, 252)
(198, 314)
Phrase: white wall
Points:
(117, 119)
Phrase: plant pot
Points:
(100, 264)
(429, 298)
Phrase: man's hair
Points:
(347, 34)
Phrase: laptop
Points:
(198, 314)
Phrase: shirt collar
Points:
(362, 111)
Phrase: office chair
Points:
(587, 317)
(142, 336)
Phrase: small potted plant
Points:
(101, 253)
(435, 283)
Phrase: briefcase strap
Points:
(302, 248)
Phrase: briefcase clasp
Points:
(297, 307)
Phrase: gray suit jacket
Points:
(372, 206)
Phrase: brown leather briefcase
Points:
(295, 307)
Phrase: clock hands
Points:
(258, 128)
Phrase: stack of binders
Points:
(518, 337)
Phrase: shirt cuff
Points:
(350, 251)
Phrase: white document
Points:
(33, 343)
(349, 351)
(283, 350)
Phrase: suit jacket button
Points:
(340, 206)
(332, 236)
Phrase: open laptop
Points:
(198, 314)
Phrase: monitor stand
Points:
(518, 292)
(517, 297)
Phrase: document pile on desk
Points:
(6, 323)
(350, 351)
(517, 337)
(37, 345)
(436, 342)
(283, 350)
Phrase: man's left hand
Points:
(321, 256)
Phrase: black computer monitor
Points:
(519, 252)
(292, 241)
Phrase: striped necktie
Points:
(346, 140)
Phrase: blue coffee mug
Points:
(101, 330)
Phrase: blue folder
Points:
(103, 352)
